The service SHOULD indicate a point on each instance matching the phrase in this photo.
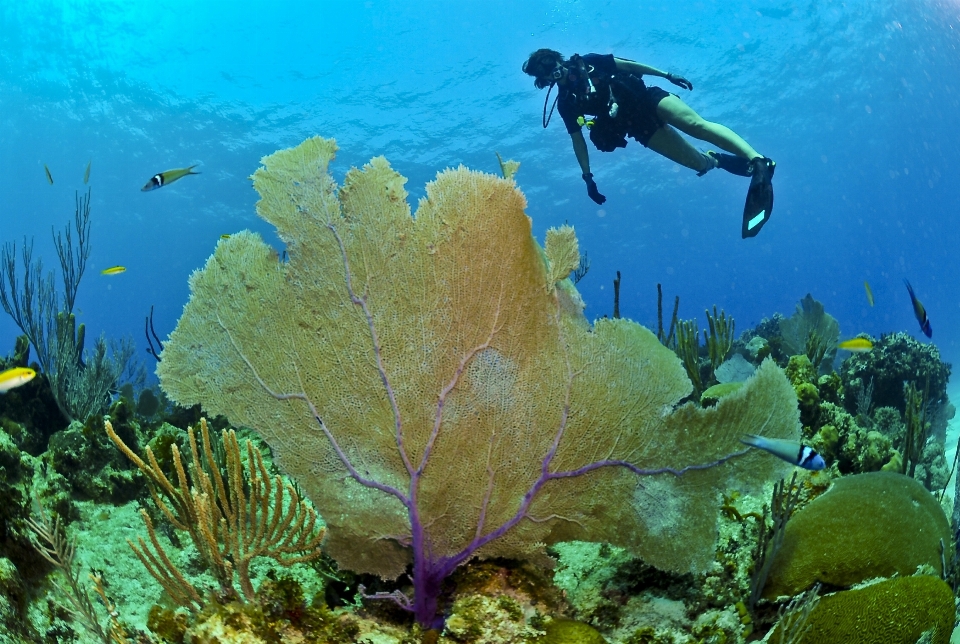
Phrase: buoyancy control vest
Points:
(623, 92)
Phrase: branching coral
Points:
(688, 350)
(720, 339)
(231, 522)
(80, 383)
(438, 396)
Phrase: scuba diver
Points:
(612, 92)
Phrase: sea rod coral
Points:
(431, 383)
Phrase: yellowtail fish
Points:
(49, 176)
(866, 285)
(857, 345)
(163, 178)
(86, 173)
(919, 312)
(790, 451)
(113, 270)
(13, 378)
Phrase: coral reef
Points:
(431, 383)
(279, 614)
(868, 525)
(29, 413)
(906, 610)
(896, 358)
(90, 465)
(431, 387)
(493, 620)
(853, 448)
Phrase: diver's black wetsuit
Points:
(637, 114)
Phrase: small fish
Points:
(224, 236)
(113, 270)
(163, 178)
(866, 285)
(86, 173)
(49, 176)
(920, 312)
(856, 345)
(792, 452)
(12, 378)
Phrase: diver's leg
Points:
(681, 116)
(667, 141)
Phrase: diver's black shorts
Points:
(642, 120)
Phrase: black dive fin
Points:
(759, 205)
(732, 163)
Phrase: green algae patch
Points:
(896, 611)
(568, 631)
(870, 525)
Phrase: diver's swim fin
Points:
(731, 163)
(759, 205)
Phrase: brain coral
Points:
(896, 611)
(868, 525)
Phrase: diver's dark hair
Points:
(541, 64)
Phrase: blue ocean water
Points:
(858, 102)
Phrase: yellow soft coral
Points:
(563, 253)
(436, 397)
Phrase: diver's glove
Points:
(679, 81)
(592, 189)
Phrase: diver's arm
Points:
(638, 69)
(580, 149)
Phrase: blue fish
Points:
(920, 312)
(792, 452)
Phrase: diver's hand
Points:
(592, 189)
(679, 81)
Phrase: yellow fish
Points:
(866, 285)
(49, 176)
(86, 174)
(161, 179)
(113, 270)
(857, 345)
(12, 378)
(224, 236)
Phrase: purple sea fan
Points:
(434, 388)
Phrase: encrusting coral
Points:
(437, 392)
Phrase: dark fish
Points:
(920, 312)
(163, 178)
(86, 174)
(49, 176)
